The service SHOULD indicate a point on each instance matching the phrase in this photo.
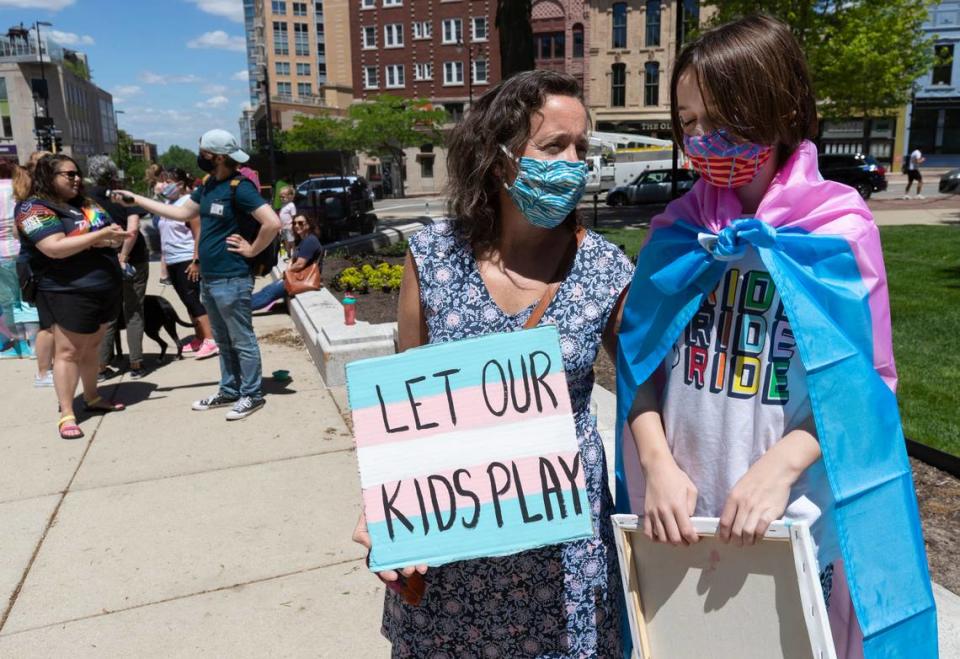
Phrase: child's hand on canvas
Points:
(762, 494)
(669, 502)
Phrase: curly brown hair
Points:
(754, 73)
(44, 174)
(475, 161)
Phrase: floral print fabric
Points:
(562, 601)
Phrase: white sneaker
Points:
(906, 197)
(45, 380)
(216, 400)
(919, 196)
(245, 407)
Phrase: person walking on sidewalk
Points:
(72, 246)
(134, 262)
(226, 283)
(287, 212)
(178, 242)
(914, 160)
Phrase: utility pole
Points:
(678, 37)
(271, 151)
(43, 76)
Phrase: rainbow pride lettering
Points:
(467, 449)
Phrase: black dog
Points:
(159, 314)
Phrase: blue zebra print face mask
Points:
(546, 191)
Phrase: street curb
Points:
(381, 238)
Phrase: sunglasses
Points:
(299, 224)
(70, 174)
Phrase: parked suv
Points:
(652, 185)
(862, 173)
(339, 204)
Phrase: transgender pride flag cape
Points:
(819, 243)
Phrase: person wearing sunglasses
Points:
(307, 250)
(72, 247)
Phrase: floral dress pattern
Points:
(558, 601)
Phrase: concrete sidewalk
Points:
(167, 532)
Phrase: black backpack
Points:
(247, 226)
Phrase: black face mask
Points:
(204, 164)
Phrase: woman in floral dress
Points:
(517, 171)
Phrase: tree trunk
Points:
(516, 37)
(398, 156)
(867, 124)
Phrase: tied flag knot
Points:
(701, 268)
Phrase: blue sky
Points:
(175, 67)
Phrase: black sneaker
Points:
(107, 373)
(245, 407)
(136, 373)
(216, 400)
(165, 281)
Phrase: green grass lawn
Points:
(923, 267)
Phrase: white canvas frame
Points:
(688, 633)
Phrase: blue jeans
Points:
(227, 300)
(267, 294)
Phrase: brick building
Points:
(561, 37)
(445, 51)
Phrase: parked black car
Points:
(950, 182)
(652, 185)
(859, 171)
(340, 204)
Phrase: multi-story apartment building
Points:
(560, 36)
(445, 51)
(934, 122)
(144, 150)
(81, 112)
(301, 52)
(632, 47)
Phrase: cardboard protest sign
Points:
(713, 599)
(467, 449)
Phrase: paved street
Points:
(167, 532)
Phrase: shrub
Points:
(361, 280)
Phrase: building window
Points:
(651, 87)
(368, 4)
(454, 111)
(619, 35)
(303, 69)
(301, 39)
(480, 76)
(453, 73)
(653, 23)
(478, 27)
(299, 8)
(369, 36)
(426, 168)
(423, 71)
(392, 3)
(284, 89)
(304, 89)
(318, 9)
(395, 76)
(282, 68)
(551, 45)
(393, 35)
(279, 7)
(280, 44)
(578, 41)
(452, 30)
(618, 85)
(691, 19)
(370, 78)
(422, 29)
(942, 65)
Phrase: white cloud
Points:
(71, 39)
(220, 40)
(232, 9)
(151, 78)
(49, 5)
(214, 102)
(242, 76)
(122, 93)
(214, 90)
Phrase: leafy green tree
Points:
(517, 52)
(185, 159)
(865, 56)
(382, 127)
(134, 168)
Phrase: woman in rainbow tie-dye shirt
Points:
(72, 244)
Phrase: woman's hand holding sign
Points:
(362, 537)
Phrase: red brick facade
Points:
(428, 65)
(561, 36)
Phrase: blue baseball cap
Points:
(223, 143)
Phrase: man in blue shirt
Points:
(227, 283)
